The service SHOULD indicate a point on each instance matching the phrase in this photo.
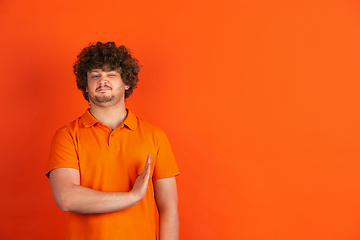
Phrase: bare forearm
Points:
(169, 225)
(167, 201)
(70, 196)
(85, 200)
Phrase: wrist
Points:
(133, 197)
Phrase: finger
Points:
(148, 160)
(146, 167)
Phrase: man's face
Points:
(105, 87)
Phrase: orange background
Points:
(260, 100)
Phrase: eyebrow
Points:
(99, 70)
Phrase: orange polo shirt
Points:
(110, 161)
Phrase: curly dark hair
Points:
(99, 55)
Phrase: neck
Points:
(110, 116)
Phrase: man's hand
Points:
(142, 181)
(70, 196)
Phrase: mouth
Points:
(103, 89)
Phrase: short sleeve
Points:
(63, 152)
(165, 165)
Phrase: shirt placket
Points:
(114, 144)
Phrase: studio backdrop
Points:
(260, 101)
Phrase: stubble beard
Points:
(103, 100)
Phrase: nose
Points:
(103, 79)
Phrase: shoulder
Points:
(149, 126)
(150, 129)
(70, 129)
(137, 123)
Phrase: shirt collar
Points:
(130, 120)
(88, 119)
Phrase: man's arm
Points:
(70, 196)
(167, 203)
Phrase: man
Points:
(108, 168)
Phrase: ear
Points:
(127, 87)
